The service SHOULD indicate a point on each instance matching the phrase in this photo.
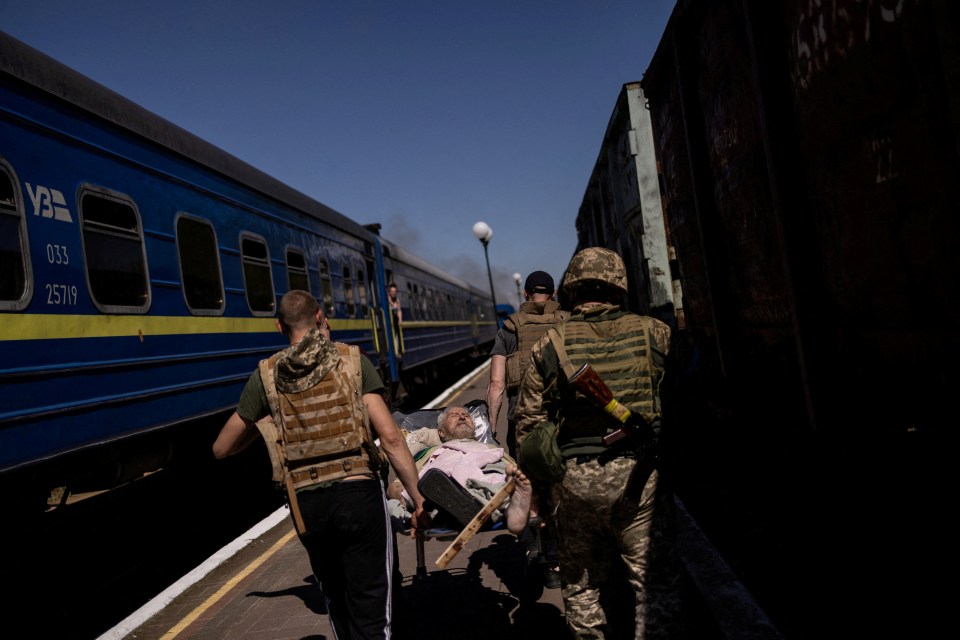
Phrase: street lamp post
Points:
(516, 278)
(483, 233)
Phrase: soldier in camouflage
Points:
(613, 517)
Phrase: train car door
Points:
(394, 312)
(381, 320)
(377, 315)
(383, 328)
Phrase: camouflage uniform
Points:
(613, 519)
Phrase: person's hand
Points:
(420, 520)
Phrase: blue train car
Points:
(140, 269)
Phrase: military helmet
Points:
(596, 264)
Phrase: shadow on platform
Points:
(454, 603)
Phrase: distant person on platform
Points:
(393, 297)
(338, 505)
(396, 317)
(508, 361)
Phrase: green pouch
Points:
(540, 454)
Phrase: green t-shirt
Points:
(253, 403)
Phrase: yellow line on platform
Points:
(222, 591)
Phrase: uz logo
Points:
(49, 203)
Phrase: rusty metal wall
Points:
(809, 166)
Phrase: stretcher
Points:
(461, 514)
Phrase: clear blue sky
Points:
(423, 116)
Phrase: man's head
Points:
(455, 423)
(300, 312)
(539, 286)
(595, 274)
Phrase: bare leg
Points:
(521, 502)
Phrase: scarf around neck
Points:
(305, 363)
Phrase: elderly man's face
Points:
(457, 424)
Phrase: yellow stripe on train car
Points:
(20, 326)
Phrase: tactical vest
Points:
(323, 432)
(618, 349)
(529, 324)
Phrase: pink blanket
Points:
(465, 459)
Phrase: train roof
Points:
(42, 72)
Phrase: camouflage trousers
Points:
(617, 553)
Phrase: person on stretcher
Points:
(459, 474)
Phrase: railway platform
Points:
(266, 591)
(261, 588)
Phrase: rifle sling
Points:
(557, 340)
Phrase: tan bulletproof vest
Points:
(323, 431)
(530, 323)
(619, 350)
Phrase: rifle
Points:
(590, 384)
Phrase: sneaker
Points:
(551, 578)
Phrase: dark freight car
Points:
(808, 160)
(810, 174)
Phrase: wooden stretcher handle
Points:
(474, 525)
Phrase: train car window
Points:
(257, 275)
(16, 283)
(362, 286)
(348, 292)
(326, 286)
(424, 307)
(113, 250)
(199, 265)
(414, 302)
(297, 277)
